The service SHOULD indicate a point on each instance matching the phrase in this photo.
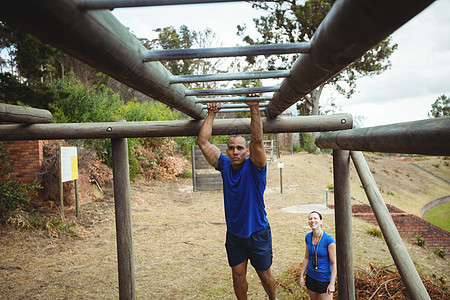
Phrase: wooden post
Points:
(343, 220)
(77, 200)
(61, 187)
(124, 231)
(194, 172)
(411, 279)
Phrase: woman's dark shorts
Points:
(315, 285)
(257, 248)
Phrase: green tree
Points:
(440, 108)
(291, 21)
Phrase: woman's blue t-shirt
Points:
(323, 272)
(243, 192)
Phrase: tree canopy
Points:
(440, 108)
(292, 21)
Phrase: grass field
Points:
(439, 216)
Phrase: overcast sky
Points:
(420, 70)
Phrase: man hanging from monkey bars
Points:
(244, 181)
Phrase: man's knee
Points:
(265, 276)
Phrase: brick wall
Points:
(408, 226)
(26, 158)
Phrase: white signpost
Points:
(281, 166)
(68, 171)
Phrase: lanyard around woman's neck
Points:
(316, 249)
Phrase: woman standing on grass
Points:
(319, 263)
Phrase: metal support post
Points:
(405, 266)
(343, 219)
(124, 231)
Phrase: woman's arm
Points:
(332, 255)
(304, 266)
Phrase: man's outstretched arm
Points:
(210, 152)
(257, 152)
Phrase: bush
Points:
(375, 231)
(307, 143)
(13, 195)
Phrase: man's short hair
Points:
(239, 135)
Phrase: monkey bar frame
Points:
(83, 30)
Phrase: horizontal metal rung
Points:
(229, 76)
(111, 4)
(252, 90)
(239, 110)
(243, 105)
(233, 99)
(265, 49)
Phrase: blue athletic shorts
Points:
(315, 285)
(257, 248)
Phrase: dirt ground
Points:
(179, 235)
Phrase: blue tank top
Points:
(323, 272)
(243, 192)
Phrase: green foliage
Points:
(440, 108)
(330, 186)
(420, 240)
(36, 94)
(307, 142)
(79, 105)
(439, 252)
(375, 231)
(288, 21)
(13, 195)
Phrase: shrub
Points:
(13, 195)
(375, 231)
(420, 240)
(439, 252)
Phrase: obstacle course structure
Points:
(88, 31)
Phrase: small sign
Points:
(69, 164)
(280, 165)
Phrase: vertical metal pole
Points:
(122, 202)
(411, 279)
(281, 180)
(343, 220)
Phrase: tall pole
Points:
(411, 279)
(343, 220)
(124, 231)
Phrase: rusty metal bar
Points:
(252, 50)
(55, 131)
(350, 29)
(207, 92)
(229, 76)
(111, 4)
(429, 137)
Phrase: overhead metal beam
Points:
(100, 40)
(229, 76)
(111, 4)
(234, 99)
(55, 131)
(21, 114)
(206, 92)
(237, 110)
(252, 50)
(351, 28)
(429, 137)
